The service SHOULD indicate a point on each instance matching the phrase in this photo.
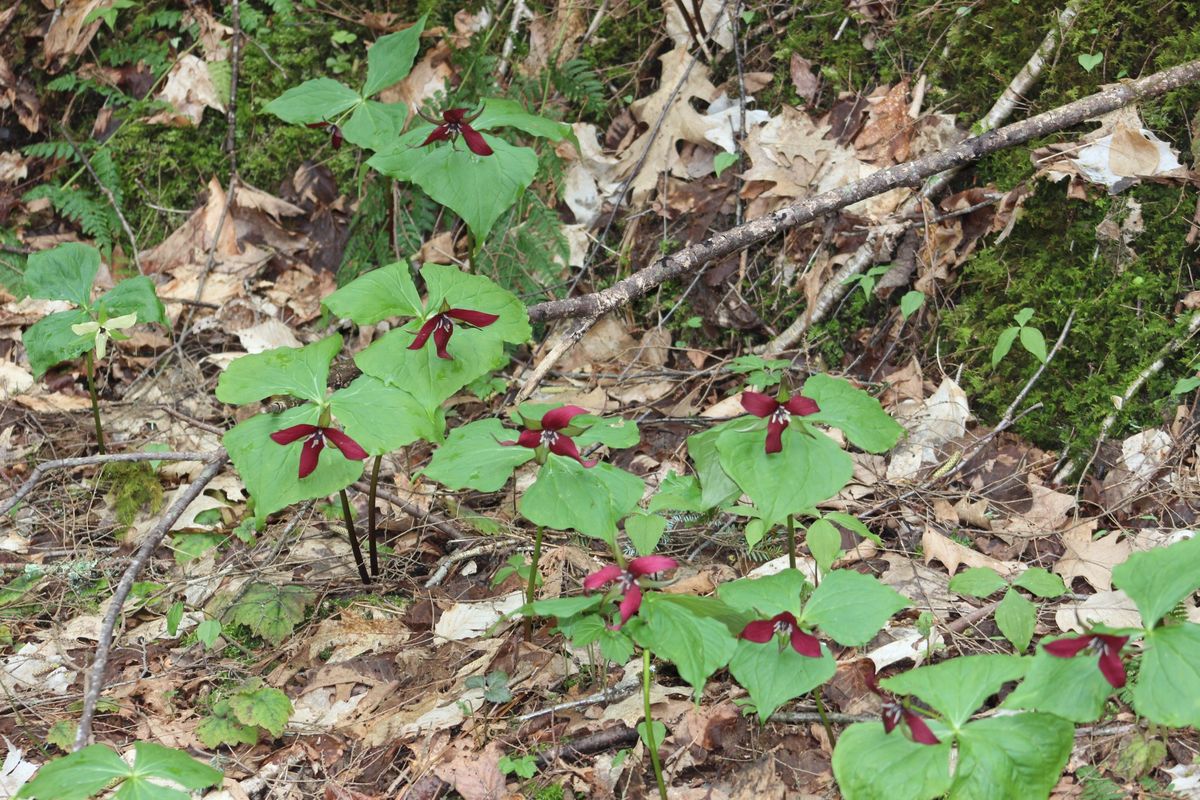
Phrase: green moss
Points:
(133, 487)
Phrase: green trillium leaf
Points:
(766, 596)
(852, 410)
(696, 644)
(382, 418)
(958, 687)
(870, 764)
(133, 296)
(390, 59)
(375, 125)
(1156, 580)
(65, 272)
(472, 457)
(568, 496)
(378, 295)
(774, 676)
(51, 341)
(1167, 691)
(851, 607)
(1072, 688)
(316, 100)
(1015, 756)
(296, 371)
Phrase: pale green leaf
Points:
(390, 59)
(377, 295)
(297, 371)
(65, 272)
(316, 100)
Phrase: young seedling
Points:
(1031, 338)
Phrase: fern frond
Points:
(50, 150)
(577, 81)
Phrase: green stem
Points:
(358, 558)
(531, 587)
(791, 534)
(824, 717)
(91, 379)
(651, 745)
(371, 535)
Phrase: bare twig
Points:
(432, 518)
(84, 461)
(95, 683)
(564, 343)
(806, 717)
(443, 567)
(112, 199)
(520, 11)
(613, 694)
(618, 736)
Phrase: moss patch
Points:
(132, 487)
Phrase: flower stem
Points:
(651, 745)
(371, 535)
(824, 717)
(791, 534)
(91, 379)
(358, 559)
(531, 588)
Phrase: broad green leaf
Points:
(723, 161)
(1004, 343)
(616, 646)
(851, 523)
(678, 493)
(383, 418)
(65, 272)
(766, 596)
(1038, 581)
(566, 496)
(644, 531)
(501, 113)
(51, 341)
(390, 59)
(316, 100)
(155, 761)
(564, 607)
(472, 457)
(207, 633)
(1016, 617)
(774, 676)
(1033, 341)
(1016, 756)
(77, 776)
(265, 707)
(1167, 691)
(717, 488)
(910, 302)
(824, 542)
(615, 432)
(378, 295)
(659, 729)
(174, 617)
(270, 611)
(810, 469)
(1072, 688)
(475, 292)
(977, 582)
(375, 125)
(1158, 579)
(870, 764)
(1023, 316)
(431, 380)
(134, 296)
(216, 731)
(959, 686)
(852, 410)
(697, 645)
(851, 607)
(477, 188)
(271, 472)
(297, 371)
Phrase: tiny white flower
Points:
(102, 332)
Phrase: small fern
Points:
(528, 253)
(50, 150)
(93, 214)
(577, 81)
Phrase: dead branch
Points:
(910, 173)
(568, 340)
(95, 682)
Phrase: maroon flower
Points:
(1108, 646)
(441, 326)
(762, 631)
(896, 712)
(314, 442)
(456, 122)
(627, 581)
(778, 414)
(549, 434)
(335, 133)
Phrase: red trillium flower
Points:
(549, 434)
(627, 581)
(895, 712)
(335, 133)
(441, 326)
(314, 438)
(762, 631)
(456, 122)
(778, 414)
(1109, 648)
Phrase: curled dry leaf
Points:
(941, 418)
(1091, 559)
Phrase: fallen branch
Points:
(95, 682)
(568, 340)
(911, 173)
(416, 512)
(618, 736)
(443, 567)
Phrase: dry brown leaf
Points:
(885, 138)
(1142, 456)
(1047, 514)
(69, 34)
(428, 77)
(472, 620)
(189, 90)
(1092, 560)
(55, 403)
(714, 20)
(952, 554)
(1114, 608)
(804, 81)
(17, 94)
(941, 418)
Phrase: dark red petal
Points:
(802, 406)
(601, 577)
(525, 439)
(760, 631)
(289, 435)
(1066, 648)
(475, 141)
(648, 565)
(892, 712)
(919, 730)
(1112, 667)
(318, 125)
(441, 338)
(806, 644)
(454, 116)
(775, 435)
(630, 604)
(309, 455)
(784, 616)
(336, 138)
(423, 334)
(479, 319)
(559, 418)
(439, 134)
(350, 448)
(759, 404)
(1112, 642)
(563, 446)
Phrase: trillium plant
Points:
(68, 273)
